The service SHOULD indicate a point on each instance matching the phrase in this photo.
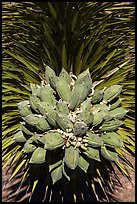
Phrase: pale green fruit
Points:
(63, 90)
(19, 137)
(52, 140)
(109, 155)
(24, 108)
(92, 153)
(38, 156)
(111, 125)
(80, 128)
(50, 76)
(112, 92)
(66, 117)
(71, 157)
(118, 113)
(112, 139)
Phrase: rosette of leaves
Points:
(68, 115)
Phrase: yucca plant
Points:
(67, 67)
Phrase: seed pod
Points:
(102, 107)
(80, 128)
(34, 102)
(92, 153)
(19, 137)
(65, 76)
(63, 90)
(97, 96)
(79, 94)
(51, 77)
(48, 111)
(115, 103)
(35, 138)
(25, 130)
(52, 140)
(86, 105)
(31, 119)
(79, 139)
(44, 108)
(62, 107)
(24, 108)
(51, 117)
(85, 140)
(35, 89)
(111, 125)
(28, 147)
(84, 78)
(42, 124)
(86, 117)
(64, 122)
(46, 94)
(109, 155)
(112, 92)
(107, 116)
(98, 117)
(71, 157)
(56, 174)
(83, 164)
(23, 103)
(93, 139)
(118, 113)
(38, 156)
(112, 139)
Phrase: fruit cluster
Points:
(66, 112)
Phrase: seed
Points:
(67, 130)
(70, 129)
(73, 143)
(66, 134)
(86, 144)
(67, 144)
(85, 140)
(79, 138)
(71, 134)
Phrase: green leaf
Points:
(16, 90)
(122, 168)
(18, 168)
(4, 146)
(34, 185)
(79, 60)
(109, 56)
(52, 10)
(8, 161)
(64, 57)
(74, 21)
(11, 129)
